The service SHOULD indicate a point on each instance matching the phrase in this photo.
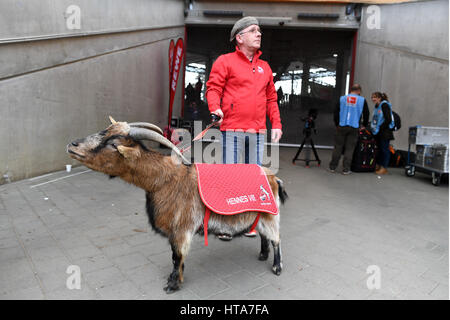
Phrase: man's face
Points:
(250, 37)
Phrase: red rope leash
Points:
(205, 224)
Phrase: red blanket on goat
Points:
(234, 188)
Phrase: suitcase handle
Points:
(365, 131)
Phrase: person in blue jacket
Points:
(347, 118)
(382, 122)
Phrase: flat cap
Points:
(241, 24)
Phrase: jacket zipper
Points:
(254, 80)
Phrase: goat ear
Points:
(129, 152)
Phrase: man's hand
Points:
(220, 114)
(276, 135)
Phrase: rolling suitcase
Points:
(365, 153)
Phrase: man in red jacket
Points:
(241, 91)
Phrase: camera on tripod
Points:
(309, 121)
(309, 125)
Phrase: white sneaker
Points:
(251, 234)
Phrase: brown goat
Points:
(174, 206)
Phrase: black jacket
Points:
(385, 133)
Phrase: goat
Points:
(173, 203)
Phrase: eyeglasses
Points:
(253, 30)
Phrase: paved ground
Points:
(333, 228)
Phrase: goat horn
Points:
(146, 134)
(146, 125)
(112, 120)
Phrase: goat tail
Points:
(281, 191)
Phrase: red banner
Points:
(176, 66)
(171, 49)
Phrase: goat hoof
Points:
(276, 270)
(263, 256)
(171, 288)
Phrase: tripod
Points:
(307, 133)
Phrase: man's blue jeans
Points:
(236, 144)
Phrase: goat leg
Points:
(264, 254)
(277, 265)
(173, 282)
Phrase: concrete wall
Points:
(271, 13)
(58, 84)
(408, 59)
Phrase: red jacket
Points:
(244, 91)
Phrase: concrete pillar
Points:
(208, 67)
(340, 77)
(305, 78)
(346, 65)
(292, 83)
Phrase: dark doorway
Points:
(311, 67)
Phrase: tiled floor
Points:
(333, 228)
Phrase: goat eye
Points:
(114, 145)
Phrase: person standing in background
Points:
(382, 122)
(347, 118)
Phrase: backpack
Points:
(397, 159)
(397, 121)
